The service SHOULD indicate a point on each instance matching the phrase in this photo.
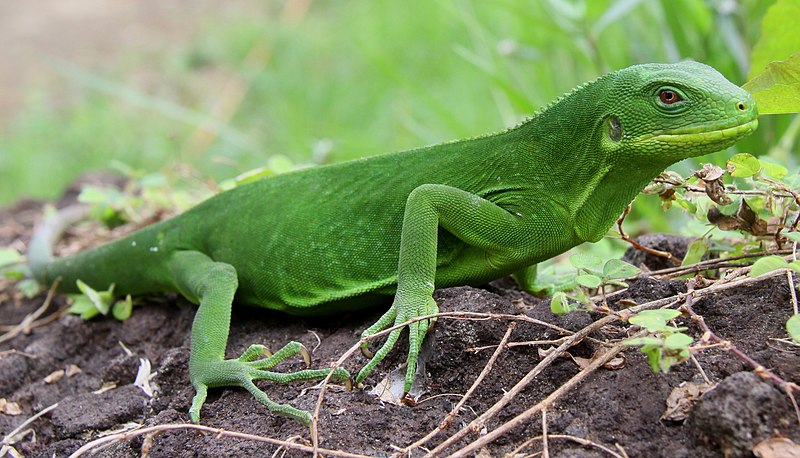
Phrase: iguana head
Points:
(607, 139)
(667, 112)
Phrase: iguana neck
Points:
(612, 194)
(584, 175)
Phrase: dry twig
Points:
(29, 319)
(710, 336)
(596, 363)
(107, 440)
(639, 246)
(577, 440)
(449, 418)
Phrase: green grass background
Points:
(343, 80)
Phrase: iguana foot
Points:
(248, 368)
(400, 312)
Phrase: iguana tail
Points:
(40, 249)
(135, 264)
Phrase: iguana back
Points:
(314, 236)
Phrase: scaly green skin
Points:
(350, 235)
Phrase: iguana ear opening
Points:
(614, 128)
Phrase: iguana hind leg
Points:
(213, 285)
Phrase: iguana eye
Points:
(668, 96)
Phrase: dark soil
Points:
(619, 408)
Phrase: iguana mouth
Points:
(706, 134)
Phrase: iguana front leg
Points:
(478, 222)
(213, 285)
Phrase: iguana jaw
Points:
(701, 134)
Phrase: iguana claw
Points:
(399, 313)
(366, 352)
(248, 368)
(304, 353)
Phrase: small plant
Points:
(592, 273)
(754, 198)
(668, 345)
(12, 267)
(276, 164)
(92, 303)
(751, 198)
(144, 197)
(88, 304)
(771, 263)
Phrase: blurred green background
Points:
(303, 82)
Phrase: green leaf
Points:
(794, 265)
(107, 204)
(279, 163)
(642, 341)
(559, 304)
(84, 307)
(13, 273)
(29, 287)
(654, 320)
(9, 256)
(101, 300)
(793, 180)
(99, 195)
(663, 314)
(276, 164)
(694, 254)
(793, 328)
(653, 353)
(581, 297)
(755, 203)
(778, 99)
(122, 309)
(776, 90)
(795, 236)
(548, 281)
(743, 165)
(586, 261)
(677, 341)
(767, 264)
(773, 170)
(588, 280)
(687, 205)
(652, 324)
(617, 268)
(779, 38)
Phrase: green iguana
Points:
(351, 235)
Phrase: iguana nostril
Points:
(740, 106)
